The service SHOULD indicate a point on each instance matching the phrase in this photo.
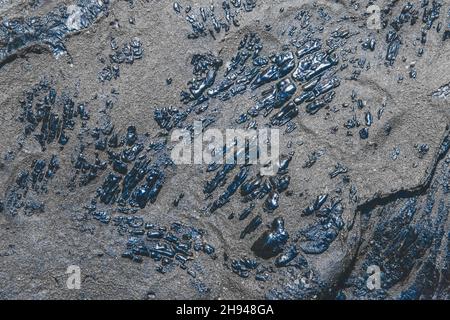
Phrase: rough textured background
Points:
(412, 249)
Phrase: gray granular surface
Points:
(91, 92)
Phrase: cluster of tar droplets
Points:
(305, 74)
(50, 30)
(209, 21)
(302, 78)
(410, 228)
(132, 164)
(249, 70)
